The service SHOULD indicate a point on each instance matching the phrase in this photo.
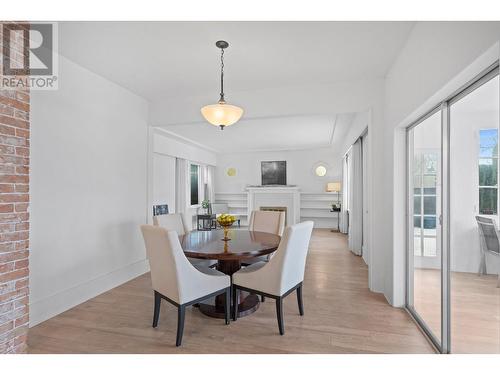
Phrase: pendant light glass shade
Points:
(222, 114)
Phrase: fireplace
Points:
(275, 198)
(274, 208)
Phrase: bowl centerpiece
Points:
(225, 221)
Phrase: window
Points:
(425, 203)
(194, 182)
(488, 171)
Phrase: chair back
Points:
(171, 222)
(160, 246)
(171, 273)
(488, 234)
(289, 261)
(267, 221)
(220, 208)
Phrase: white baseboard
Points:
(51, 306)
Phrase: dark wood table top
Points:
(244, 244)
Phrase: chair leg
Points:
(482, 265)
(227, 305)
(235, 303)
(299, 300)
(181, 312)
(157, 305)
(262, 299)
(279, 315)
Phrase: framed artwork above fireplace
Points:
(273, 172)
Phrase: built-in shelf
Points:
(302, 207)
(313, 216)
(237, 203)
(317, 206)
(313, 206)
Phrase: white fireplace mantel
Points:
(276, 196)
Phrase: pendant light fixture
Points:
(222, 114)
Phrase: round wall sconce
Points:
(231, 172)
(320, 169)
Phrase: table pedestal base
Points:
(249, 303)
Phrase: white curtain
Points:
(210, 193)
(181, 190)
(344, 215)
(356, 198)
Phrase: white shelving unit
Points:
(317, 206)
(313, 206)
(237, 202)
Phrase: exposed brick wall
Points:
(14, 213)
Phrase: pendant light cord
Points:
(222, 74)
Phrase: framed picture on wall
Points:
(273, 172)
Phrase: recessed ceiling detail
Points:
(270, 134)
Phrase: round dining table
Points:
(243, 245)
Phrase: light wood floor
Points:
(341, 316)
(475, 309)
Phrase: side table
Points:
(206, 221)
(337, 210)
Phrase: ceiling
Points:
(269, 134)
(165, 62)
(151, 58)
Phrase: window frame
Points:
(479, 187)
(199, 187)
(422, 195)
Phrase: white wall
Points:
(358, 126)
(437, 59)
(88, 190)
(163, 181)
(300, 164)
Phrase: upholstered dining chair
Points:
(269, 222)
(176, 223)
(175, 280)
(279, 277)
(488, 242)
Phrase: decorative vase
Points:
(226, 232)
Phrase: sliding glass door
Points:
(424, 236)
(474, 257)
(453, 243)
